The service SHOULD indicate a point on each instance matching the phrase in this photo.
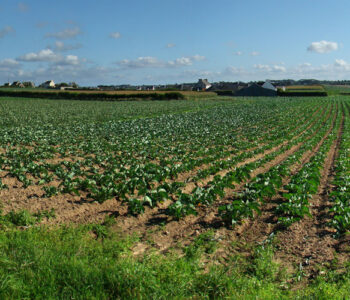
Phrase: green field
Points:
(186, 199)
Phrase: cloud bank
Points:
(47, 55)
(153, 62)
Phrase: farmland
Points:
(187, 198)
(187, 94)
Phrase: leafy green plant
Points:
(181, 209)
(232, 213)
(135, 207)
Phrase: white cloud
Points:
(61, 46)
(200, 73)
(322, 47)
(60, 73)
(43, 55)
(47, 55)
(233, 71)
(270, 68)
(197, 57)
(153, 62)
(238, 53)
(305, 65)
(140, 62)
(65, 34)
(182, 61)
(8, 63)
(338, 70)
(6, 30)
(185, 61)
(340, 63)
(115, 35)
(279, 68)
(170, 45)
(69, 60)
(254, 53)
(262, 67)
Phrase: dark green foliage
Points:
(92, 96)
(302, 93)
(224, 93)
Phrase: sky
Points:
(166, 41)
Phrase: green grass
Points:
(71, 263)
(68, 263)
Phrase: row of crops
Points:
(230, 155)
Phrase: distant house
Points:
(227, 86)
(17, 84)
(256, 90)
(146, 88)
(187, 86)
(29, 84)
(202, 85)
(64, 88)
(48, 84)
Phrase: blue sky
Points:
(154, 41)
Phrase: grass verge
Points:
(90, 262)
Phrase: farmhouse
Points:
(227, 86)
(186, 86)
(146, 88)
(29, 84)
(202, 85)
(48, 84)
(17, 84)
(258, 90)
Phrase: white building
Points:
(48, 84)
(202, 85)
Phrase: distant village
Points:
(254, 88)
(50, 84)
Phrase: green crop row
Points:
(340, 195)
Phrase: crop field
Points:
(305, 87)
(245, 197)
